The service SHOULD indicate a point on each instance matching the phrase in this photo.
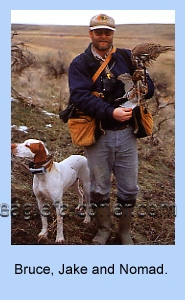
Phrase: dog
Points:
(51, 179)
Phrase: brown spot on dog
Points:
(39, 151)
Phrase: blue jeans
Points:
(116, 152)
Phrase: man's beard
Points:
(101, 47)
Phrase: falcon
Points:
(148, 52)
(142, 56)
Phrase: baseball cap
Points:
(102, 21)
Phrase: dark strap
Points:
(103, 65)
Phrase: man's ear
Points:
(90, 33)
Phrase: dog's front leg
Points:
(44, 216)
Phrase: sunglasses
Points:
(99, 32)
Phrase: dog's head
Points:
(30, 149)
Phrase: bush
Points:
(55, 64)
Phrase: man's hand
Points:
(122, 114)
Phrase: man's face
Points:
(102, 39)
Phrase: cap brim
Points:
(102, 27)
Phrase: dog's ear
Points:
(39, 150)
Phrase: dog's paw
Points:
(43, 234)
(60, 240)
(87, 219)
(42, 237)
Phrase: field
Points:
(40, 91)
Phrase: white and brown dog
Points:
(52, 179)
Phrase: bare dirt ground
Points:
(154, 217)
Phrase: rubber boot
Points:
(124, 226)
(103, 221)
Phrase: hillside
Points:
(42, 91)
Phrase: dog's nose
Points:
(13, 148)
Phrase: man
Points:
(116, 150)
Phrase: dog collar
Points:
(40, 167)
(41, 170)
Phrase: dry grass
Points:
(153, 224)
(48, 41)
